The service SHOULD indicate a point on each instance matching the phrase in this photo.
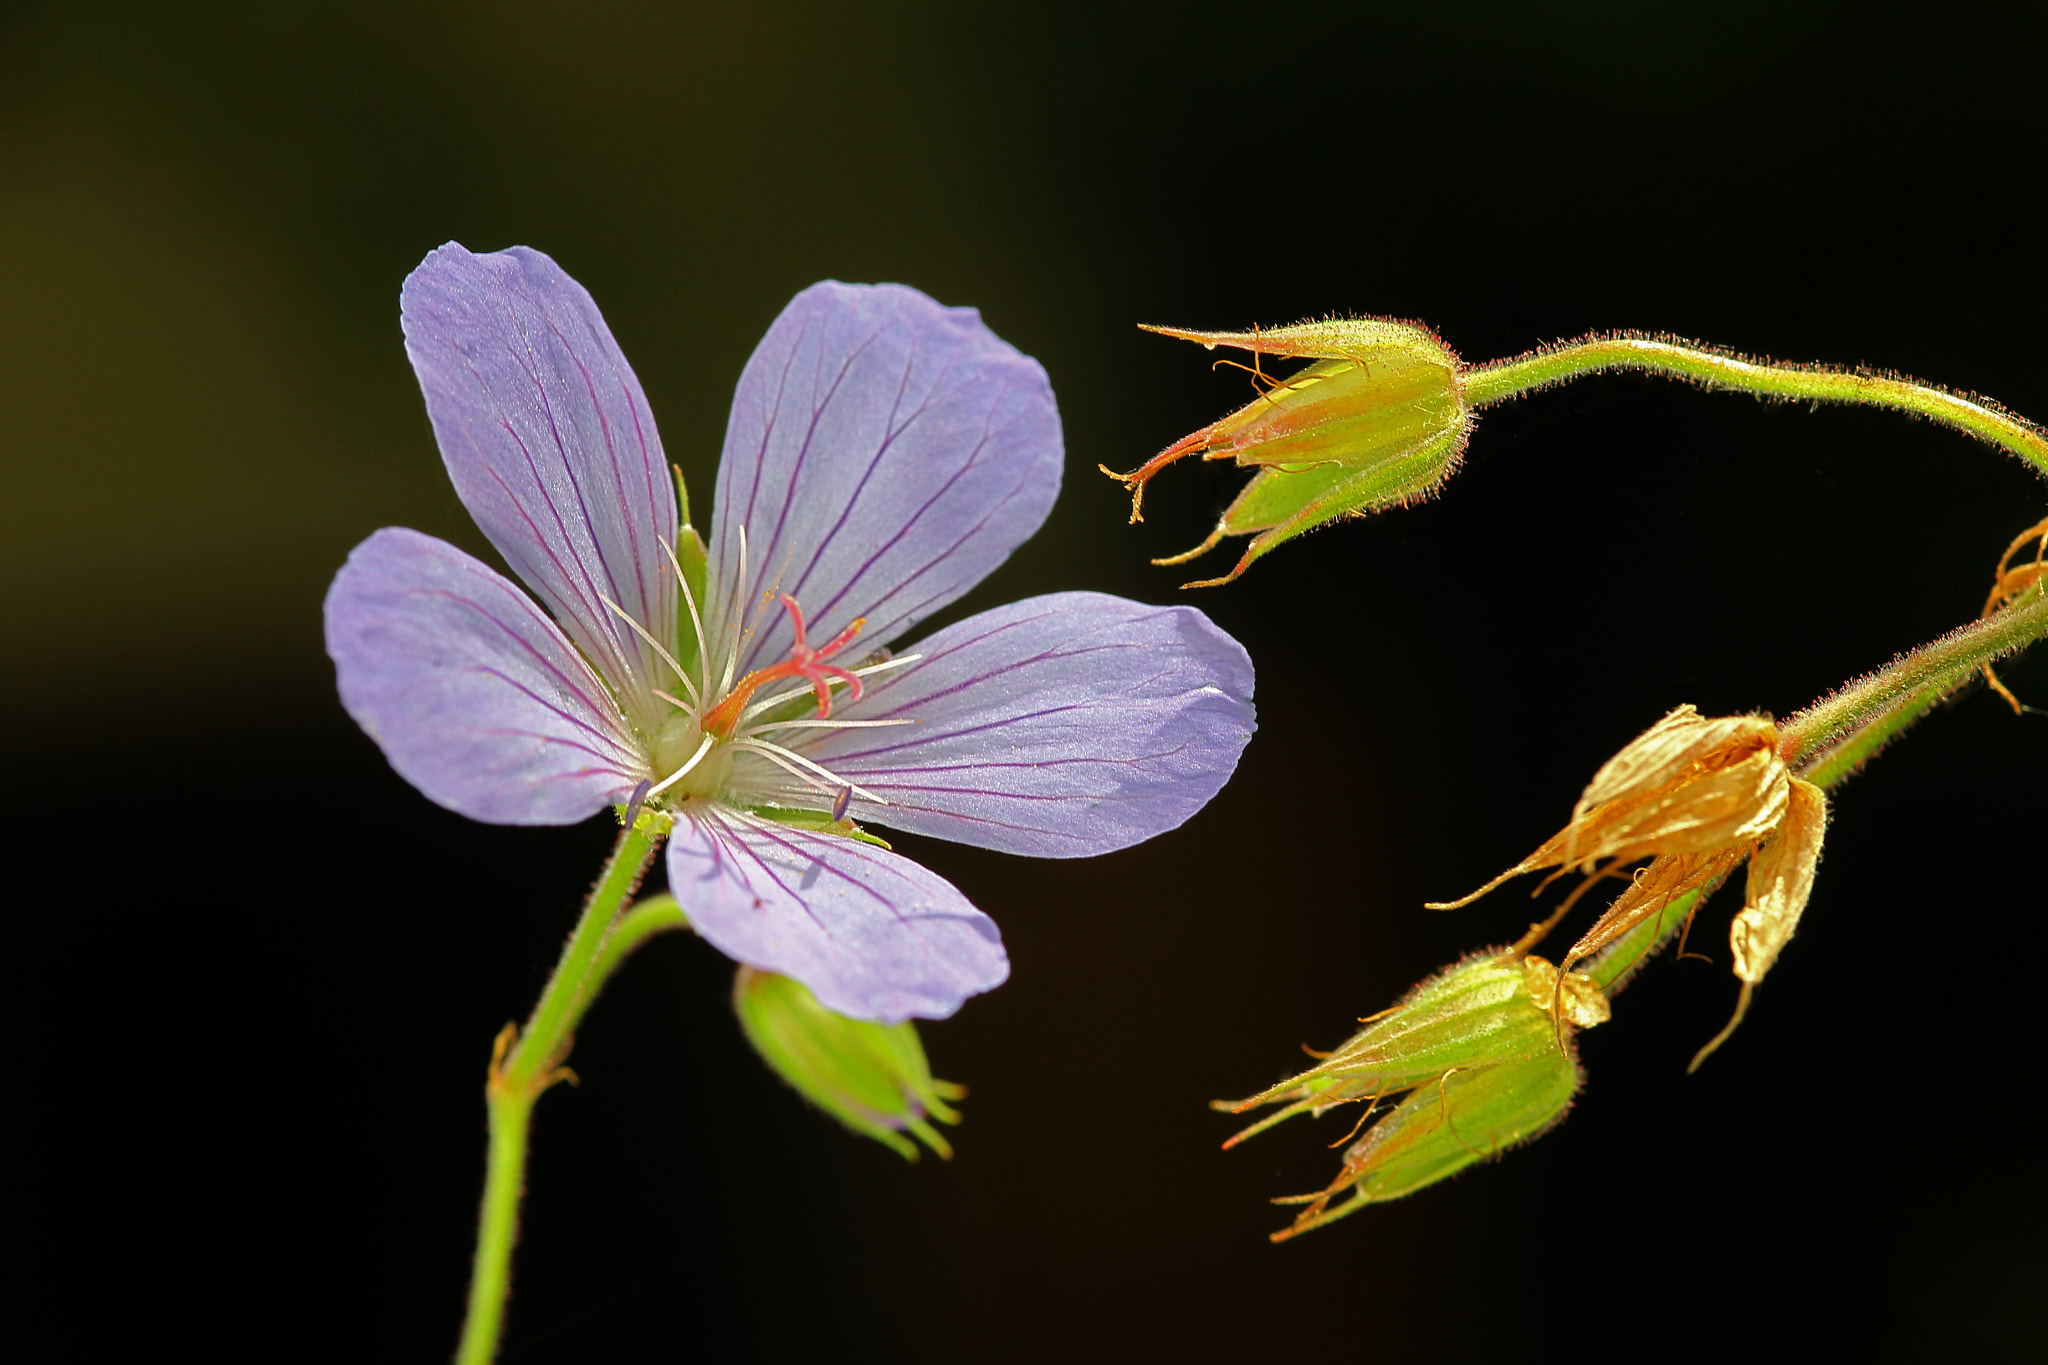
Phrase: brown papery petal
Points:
(1654, 888)
(1668, 753)
(1780, 880)
(1736, 804)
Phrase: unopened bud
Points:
(1463, 1118)
(1473, 1014)
(1378, 420)
(871, 1077)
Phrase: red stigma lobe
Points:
(805, 661)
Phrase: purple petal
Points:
(872, 933)
(884, 454)
(1059, 726)
(473, 694)
(551, 447)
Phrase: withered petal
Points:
(1780, 880)
(1668, 752)
(1654, 888)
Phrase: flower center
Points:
(805, 661)
(694, 752)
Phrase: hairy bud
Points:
(1485, 1065)
(1378, 420)
(871, 1077)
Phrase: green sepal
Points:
(649, 821)
(874, 1078)
(820, 822)
(1285, 500)
(1477, 1013)
(694, 559)
(1465, 1117)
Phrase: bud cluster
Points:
(1483, 1052)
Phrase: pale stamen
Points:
(822, 725)
(739, 607)
(641, 631)
(796, 763)
(696, 622)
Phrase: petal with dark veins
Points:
(884, 454)
(551, 447)
(872, 934)
(471, 691)
(1059, 727)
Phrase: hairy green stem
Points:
(1833, 737)
(1500, 380)
(525, 1064)
(658, 914)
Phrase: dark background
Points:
(255, 976)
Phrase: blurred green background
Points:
(260, 975)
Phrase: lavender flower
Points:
(883, 455)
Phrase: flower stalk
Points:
(525, 1064)
(1499, 380)
(1381, 416)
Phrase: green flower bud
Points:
(1484, 1048)
(1487, 1009)
(1465, 1117)
(871, 1077)
(1379, 420)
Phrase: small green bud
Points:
(871, 1077)
(1465, 1117)
(1486, 1009)
(1488, 1061)
(1378, 420)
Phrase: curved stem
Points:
(534, 1063)
(658, 914)
(1500, 380)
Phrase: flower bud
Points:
(1465, 1117)
(871, 1077)
(1485, 1010)
(1378, 420)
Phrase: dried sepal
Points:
(1652, 890)
(1780, 882)
(1688, 784)
(1683, 743)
